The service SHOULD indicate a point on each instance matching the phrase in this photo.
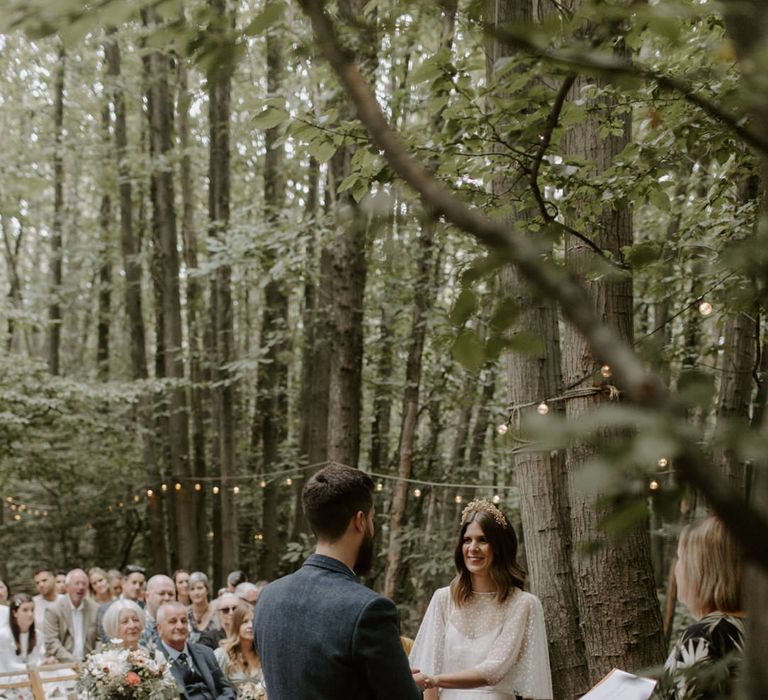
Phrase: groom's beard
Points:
(364, 560)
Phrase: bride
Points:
(483, 636)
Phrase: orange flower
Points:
(132, 678)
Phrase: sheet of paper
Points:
(618, 685)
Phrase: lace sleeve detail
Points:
(521, 639)
(427, 653)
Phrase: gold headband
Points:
(486, 507)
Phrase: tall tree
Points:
(616, 580)
(57, 230)
(132, 270)
(160, 121)
(272, 404)
(105, 262)
(219, 106)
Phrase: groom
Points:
(320, 633)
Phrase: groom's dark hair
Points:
(331, 498)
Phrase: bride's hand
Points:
(421, 679)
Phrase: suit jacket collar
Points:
(323, 562)
(198, 662)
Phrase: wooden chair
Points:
(42, 676)
(16, 680)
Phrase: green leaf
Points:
(468, 350)
(270, 118)
(427, 70)
(526, 343)
(322, 150)
(267, 18)
(464, 307)
(505, 314)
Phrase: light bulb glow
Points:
(496, 499)
(289, 481)
(705, 308)
(236, 490)
(177, 486)
(654, 485)
(198, 487)
(417, 493)
(263, 484)
(663, 462)
(502, 429)
(458, 499)
(379, 486)
(216, 490)
(606, 371)
(150, 493)
(163, 487)
(542, 409)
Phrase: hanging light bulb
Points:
(663, 462)
(17, 517)
(496, 499)
(198, 487)
(215, 490)
(177, 486)
(379, 486)
(705, 308)
(502, 429)
(136, 498)
(120, 504)
(458, 499)
(606, 371)
(164, 487)
(235, 490)
(417, 493)
(654, 485)
(542, 409)
(289, 481)
(150, 493)
(263, 484)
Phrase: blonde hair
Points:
(713, 566)
(231, 644)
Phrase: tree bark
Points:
(57, 230)
(11, 249)
(616, 582)
(105, 263)
(130, 248)
(219, 98)
(164, 221)
(272, 404)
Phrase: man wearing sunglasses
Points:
(225, 606)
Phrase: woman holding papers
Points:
(483, 633)
(705, 659)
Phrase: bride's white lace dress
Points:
(505, 642)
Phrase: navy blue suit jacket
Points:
(321, 635)
(207, 666)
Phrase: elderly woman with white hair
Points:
(124, 623)
(202, 617)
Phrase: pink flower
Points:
(132, 678)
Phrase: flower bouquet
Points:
(127, 674)
(251, 690)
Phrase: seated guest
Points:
(45, 582)
(115, 579)
(124, 621)
(61, 581)
(98, 583)
(237, 655)
(20, 643)
(248, 592)
(234, 579)
(160, 589)
(705, 660)
(181, 579)
(132, 589)
(200, 612)
(225, 607)
(70, 623)
(193, 666)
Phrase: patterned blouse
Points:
(704, 661)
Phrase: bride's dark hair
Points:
(505, 572)
(16, 602)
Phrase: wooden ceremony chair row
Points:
(36, 678)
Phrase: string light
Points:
(236, 490)
(606, 371)
(496, 499)
(17, 517)
(542, 409)
(705, 308)
(198, 487)
(502, 429)
(654, 485)
(258, 537)
(23, 507)
(120, 504)
(458, 499)
(289, 481)
(150, 493)
(215, 490)
(136, 498)
(663, 462)
(45, 513)
(13, 506)
(163, 487)
(379, 486)
(263, 484)
(417, 493)
(177, 486)
(210, 534)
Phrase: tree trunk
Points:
(272, 404)
(57, 230)
(130, 248)
(615, 583)
(195, 319)
(105, 264)
(540, 476)
(164, 220)
(11, 248)
(219, 96)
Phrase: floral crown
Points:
(485, 507)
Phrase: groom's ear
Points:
(360, 521)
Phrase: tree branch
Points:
(748, 526)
